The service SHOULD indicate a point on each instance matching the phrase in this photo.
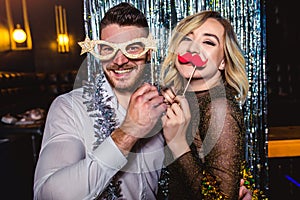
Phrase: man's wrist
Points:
(123, 140)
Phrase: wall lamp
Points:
(19, 35)
(61, 29)
(20, 39)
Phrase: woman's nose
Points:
(194, 48)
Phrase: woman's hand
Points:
(244, 193)
(175, 123)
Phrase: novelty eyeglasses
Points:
(132, 49)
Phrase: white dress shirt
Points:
(69, 168)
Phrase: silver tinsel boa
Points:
(249, 20)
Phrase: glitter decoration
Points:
(249, 183)
(248, 17)
(112, 192)
(210, 187)
(164, 183)
(105, 122)
(97, 103)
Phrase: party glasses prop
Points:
(132, 49)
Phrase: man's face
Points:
(122, 72)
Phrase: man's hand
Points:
(145, 108)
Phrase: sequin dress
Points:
(212, 172)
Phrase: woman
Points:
(203, 126)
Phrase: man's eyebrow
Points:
(212, 35)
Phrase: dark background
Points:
(283, 66)
(44, 56)
(283, 42)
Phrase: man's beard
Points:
(144, 75)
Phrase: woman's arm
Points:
(223, 151)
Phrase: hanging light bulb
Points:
(61, 29)
(63, 39)
(19, 34)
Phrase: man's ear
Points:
(148, 56)
(222, 64)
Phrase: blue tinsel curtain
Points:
(249, 19)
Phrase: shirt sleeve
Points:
(66, 168)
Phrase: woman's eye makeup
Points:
(185, 38)
(209, 42)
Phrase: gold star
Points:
(87, 45)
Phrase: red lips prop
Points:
(189, 58)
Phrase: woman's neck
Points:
(202, 84)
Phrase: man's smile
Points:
(122, 71)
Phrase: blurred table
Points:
(284, 141)
(9, 132)
(19, 151)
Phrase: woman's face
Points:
(204, 48)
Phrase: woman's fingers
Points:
(184, 106)
(169, 95)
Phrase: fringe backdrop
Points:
(249, 20)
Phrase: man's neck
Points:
(123, 97)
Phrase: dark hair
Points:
(124, 14)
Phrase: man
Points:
(70, 165)
(99, 140)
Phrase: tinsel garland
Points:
(210, 187)
(249, 20)
(97, 103)
(98, 106)
(249, 183)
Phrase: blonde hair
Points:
(234, 73)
